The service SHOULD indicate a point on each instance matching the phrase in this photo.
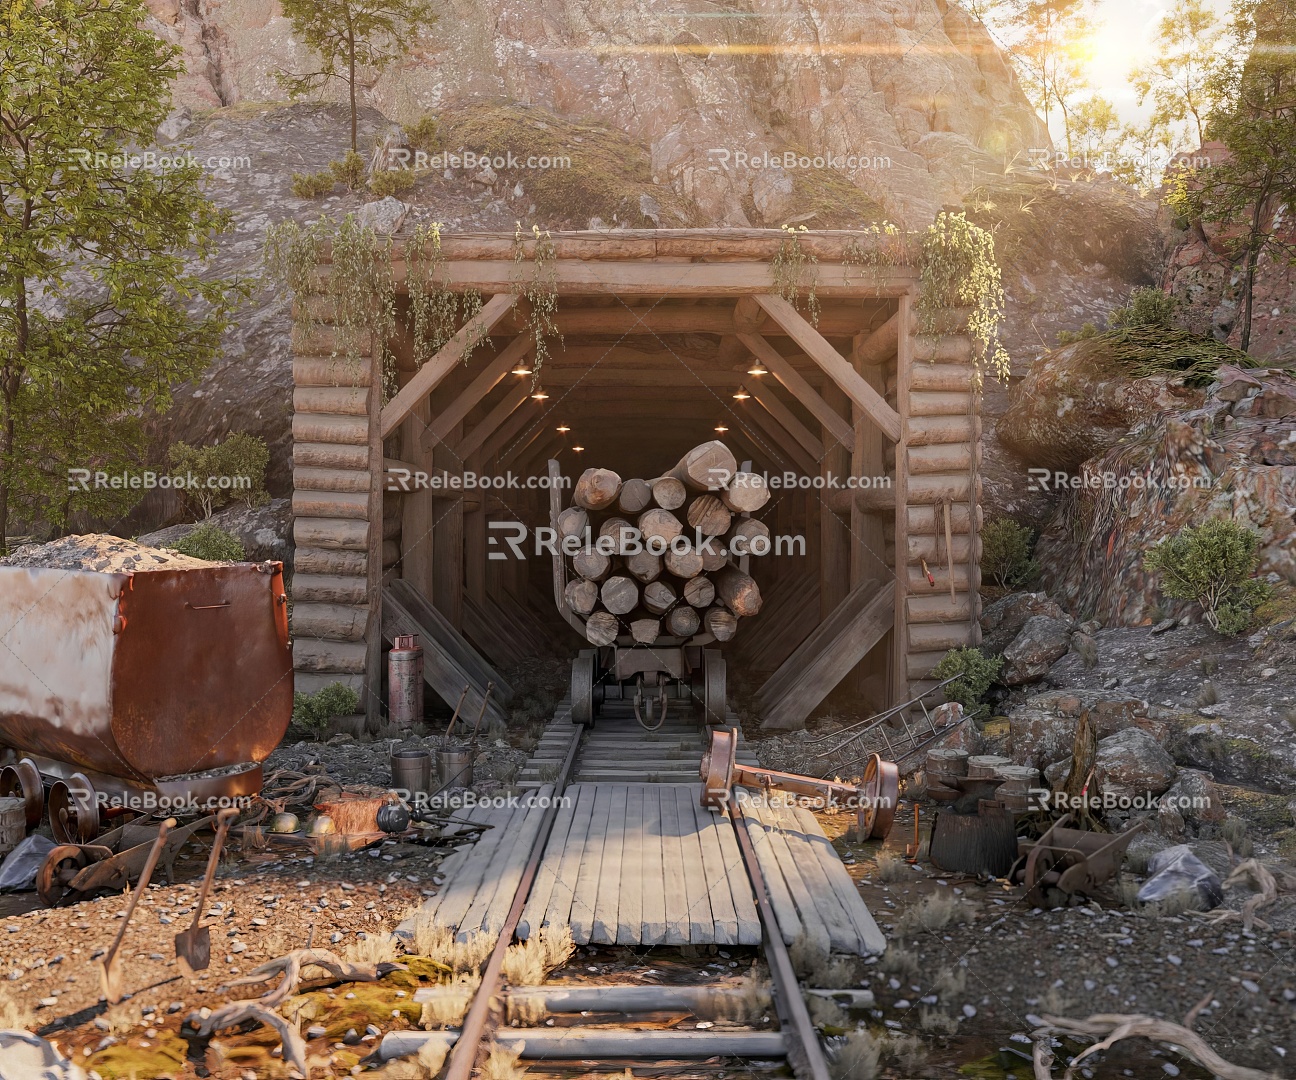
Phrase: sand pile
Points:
(99, 551)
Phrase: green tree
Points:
(1095, 128)
(1213, 564)
(348, 35)
(1244, 192)
(1050, 45)
(102, 308)
(1180, 76)
(232, 470)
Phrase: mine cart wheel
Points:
(714, 701)
(582, 689)
(882, 792)
(73, 811)
(23, 781)
(56, 873)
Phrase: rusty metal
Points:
(455, 716)
(73, 810)
(193, 946)
(405, 681)
(110, 970)
(112, 862)
(485, 698)
(147, 678)
(1070, 860)
(22, 779)
(874, 800)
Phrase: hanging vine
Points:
(794, 269)
(436, 311)
(959, 271)
(538, 286)
(874, 248)
(340, 276)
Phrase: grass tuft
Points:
(934, 912)
(891, 868)
(373, 949)
(437, 942)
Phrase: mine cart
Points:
(140, 690)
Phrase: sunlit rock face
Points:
(910, 99)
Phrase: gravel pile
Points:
(103, 553)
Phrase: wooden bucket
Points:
(1015, 791)
(943, 765)
(985, 766)
(13, 824)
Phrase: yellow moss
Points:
(165, 1056)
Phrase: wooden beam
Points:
(877, 346)
(472, 442)
(781, 368)
(904, 367)
(790, 447)
(498, 442)
(822, 353)
(448, 418)
(452, 353)
(372, 703)
(769, 401)
(667, 318)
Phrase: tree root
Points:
(1111, 1028)
(1268, 883)
(294, 963)
(236, 1012)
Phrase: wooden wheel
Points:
(881, 793)
(56, 873)
(582, 689)
(23, 781)
(714, 690)
(73, 810)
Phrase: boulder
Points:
(1227, 459)
(1032, 652)
(1042, 730)
(1194, 798)
(265, 531)
(1079, 400)
(1132, 764)
(1003, 620)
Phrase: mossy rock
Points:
(608, 175)
(165, 1056)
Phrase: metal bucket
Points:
(455, 768)
(405, 681)
(412, 771)
(13, 824)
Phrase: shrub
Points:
(424, 134)
(241, 458)
(1147, 306)
(974, 673)
(350, 170)
(1006, 552)
(1067, 337)
(212, 543)
(312, 185)
(312, 712)
(391, 182)
(1212, 563)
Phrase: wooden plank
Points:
(604, 927)
(332, 622)
(782, 439)
(325, 455)
(903, 558)
(466, 400)
(800, 891)
(819, 902)
(834, 364)
(701, 921)
(342, 505)
(785, 909)
(796, 384)
(439, 366)
(314, 428)
(493, 880)
(329, 371)
(878, 345)
(511, 401)
(769, 401)
(564, 890)
(511, 876)
(585, 896)
(674, 883)
(464, 886)
(533, 915)
(652, 871)
(629, 921)
(335, 400)
(314, 654)
(454, 642)
(715, 873)
(871, 938)
(740, 889)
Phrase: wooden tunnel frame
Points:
(859, 391)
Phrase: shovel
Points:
(193, 946)
(110, 969)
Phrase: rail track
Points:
(608, 1021)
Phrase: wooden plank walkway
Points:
(634, 859)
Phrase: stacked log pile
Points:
(653, 559)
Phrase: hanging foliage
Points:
(794, 269)
(538, 286)
(959, 271)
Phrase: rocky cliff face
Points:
(912, 96)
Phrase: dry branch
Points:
(237, 1012)
(294, 963)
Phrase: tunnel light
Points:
(756, 369)
(563, 429)
(522, 369)
(578, 449)
(540, 395)
(742, 395)
(721, 429)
